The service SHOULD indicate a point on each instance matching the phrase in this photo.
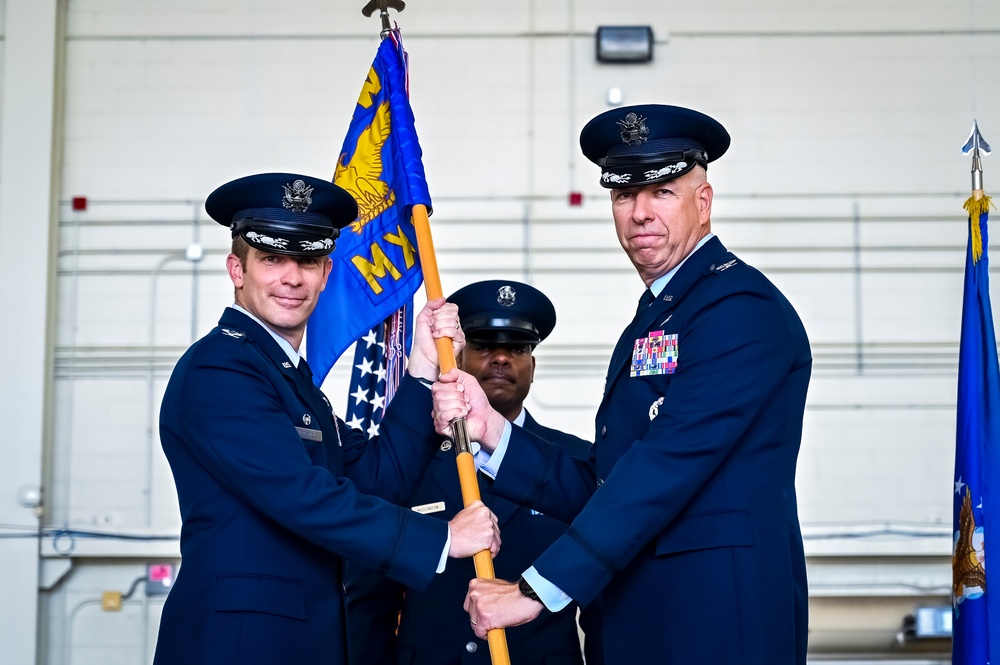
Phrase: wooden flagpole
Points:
(446, 361)
(463, 448)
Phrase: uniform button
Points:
(604, 430)
(472, 647)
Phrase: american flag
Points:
(379, 363)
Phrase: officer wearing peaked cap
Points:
(684, 520)
(262, 464)
(283, 213)
(503, 321)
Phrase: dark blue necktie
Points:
(624, 346)
(644, 300)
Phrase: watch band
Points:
(526, 590)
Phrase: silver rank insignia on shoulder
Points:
(725, 266)
(654, 409)
(236, 334)
(445, 446)
(306, 419)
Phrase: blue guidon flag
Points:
(376, 269)
(975, 603)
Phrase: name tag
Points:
(429, 508)
(310, 434)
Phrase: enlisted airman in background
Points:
(503, 322)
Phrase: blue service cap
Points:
(500, 311)
(283, 213)
(650, 143)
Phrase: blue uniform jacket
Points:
(684, 519)
(434, 629)
(274, 493)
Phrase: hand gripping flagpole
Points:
(497, 638)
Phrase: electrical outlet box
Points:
(159, 578)
(111, 601)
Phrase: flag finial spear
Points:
(383, 7)
(976, 145)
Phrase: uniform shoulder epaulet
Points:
(724, 265)
(232, 333)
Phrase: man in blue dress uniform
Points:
(684, 519)
(275, 491)
(503, 321)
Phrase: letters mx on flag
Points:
(375, 265)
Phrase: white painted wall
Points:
(844, 183)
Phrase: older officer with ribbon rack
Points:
(684, 520)
(275, 491)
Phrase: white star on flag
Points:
(360, 395)
(375, 374)
(365, 367)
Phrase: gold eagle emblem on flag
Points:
(969, 558)
(362, 175)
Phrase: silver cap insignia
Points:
(634, 130)
(506, 296)
(298, 196)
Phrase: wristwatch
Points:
(526, 590)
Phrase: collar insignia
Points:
(634, 130)
(297, 196)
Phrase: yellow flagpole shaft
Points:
(466, 464)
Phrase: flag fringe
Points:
(977, 208)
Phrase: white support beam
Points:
(26, 284)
